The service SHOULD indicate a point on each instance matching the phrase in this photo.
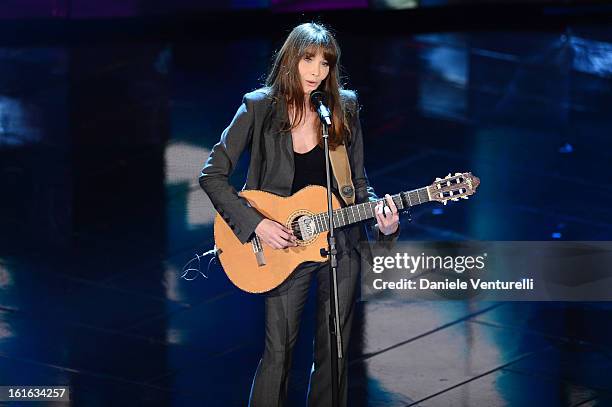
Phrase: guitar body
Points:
(239, 260)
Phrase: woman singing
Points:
(283, 134)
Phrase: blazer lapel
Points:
(283, 165)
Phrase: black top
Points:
(309, 169)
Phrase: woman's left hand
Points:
(388, 221)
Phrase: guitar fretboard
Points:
(364, 211)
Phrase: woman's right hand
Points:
(275, 235)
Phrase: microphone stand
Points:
(335, 334)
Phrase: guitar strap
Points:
(342, 171)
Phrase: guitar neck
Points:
(364, 211)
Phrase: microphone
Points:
(318, 99)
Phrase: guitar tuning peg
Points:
(457, 173)
(465, 197)
(448, 176)
(444, 202)
(438, 179)
(454, 199)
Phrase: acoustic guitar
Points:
(256, 268)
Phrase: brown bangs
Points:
(327, 48)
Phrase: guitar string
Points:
(345, 209)
(337, 211)
(417, 192)
(395, 197)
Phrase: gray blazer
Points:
(257, 126)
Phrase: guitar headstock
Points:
(453, 187)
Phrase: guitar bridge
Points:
(258, 250)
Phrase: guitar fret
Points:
(425, 194)
(418, 192)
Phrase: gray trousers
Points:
(284, 307)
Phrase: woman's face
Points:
(313, 69)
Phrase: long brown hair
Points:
(284, 79)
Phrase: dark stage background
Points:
(108, 111)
